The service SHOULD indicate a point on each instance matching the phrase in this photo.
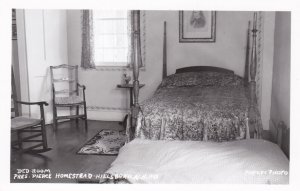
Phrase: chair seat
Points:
(22, 122)
(68, 100)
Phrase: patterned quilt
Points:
(207, 106)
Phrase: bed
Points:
(202, 125)
(202, 105)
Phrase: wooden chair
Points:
(67, 92)
(27, 129)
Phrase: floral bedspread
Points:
(205, 106)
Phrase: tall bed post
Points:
(255, 132)
(136, 63)
(246, 75)
(164, 74)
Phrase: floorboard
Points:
(62, 159)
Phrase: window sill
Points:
(114, 68)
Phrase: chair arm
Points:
(33, 103)
(81, 86)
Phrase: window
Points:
(111, 38)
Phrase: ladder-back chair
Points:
(30, 133)
(67, 93)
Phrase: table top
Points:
(129, 85)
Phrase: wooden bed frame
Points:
(250, 68)
(203, 68)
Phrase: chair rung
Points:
(30, 137)
(32, 147)
(33, 141)
(23, 131)
(70, 117)
(27, 129)
(69, 104)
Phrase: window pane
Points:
(108, 55)
(121, 41)
(109, 41)
(98, 54)
(104, 27)
(110, 37)
(120, 55)
(104, 14)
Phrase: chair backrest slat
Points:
(65, 91)
(64, 80)
(63, 66)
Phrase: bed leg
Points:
(205, 138)
(281, 126)
(247, 129)
(129, 127)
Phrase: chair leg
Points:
(20, 143)
(77, 113)
(85, 116)
(44, 135)
(54, 118)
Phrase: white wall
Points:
(280, 108)
(267, 67)
(22, 55)
(43, 41)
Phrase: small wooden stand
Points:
(130, 87)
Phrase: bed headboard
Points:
(202, 69)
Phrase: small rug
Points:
(106, 142)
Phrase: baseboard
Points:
(106, 115)
(95, 113)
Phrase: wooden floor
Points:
(62, 159)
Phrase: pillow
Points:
(204, 78)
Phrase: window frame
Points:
(113, 65)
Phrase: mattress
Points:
(248, 161)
